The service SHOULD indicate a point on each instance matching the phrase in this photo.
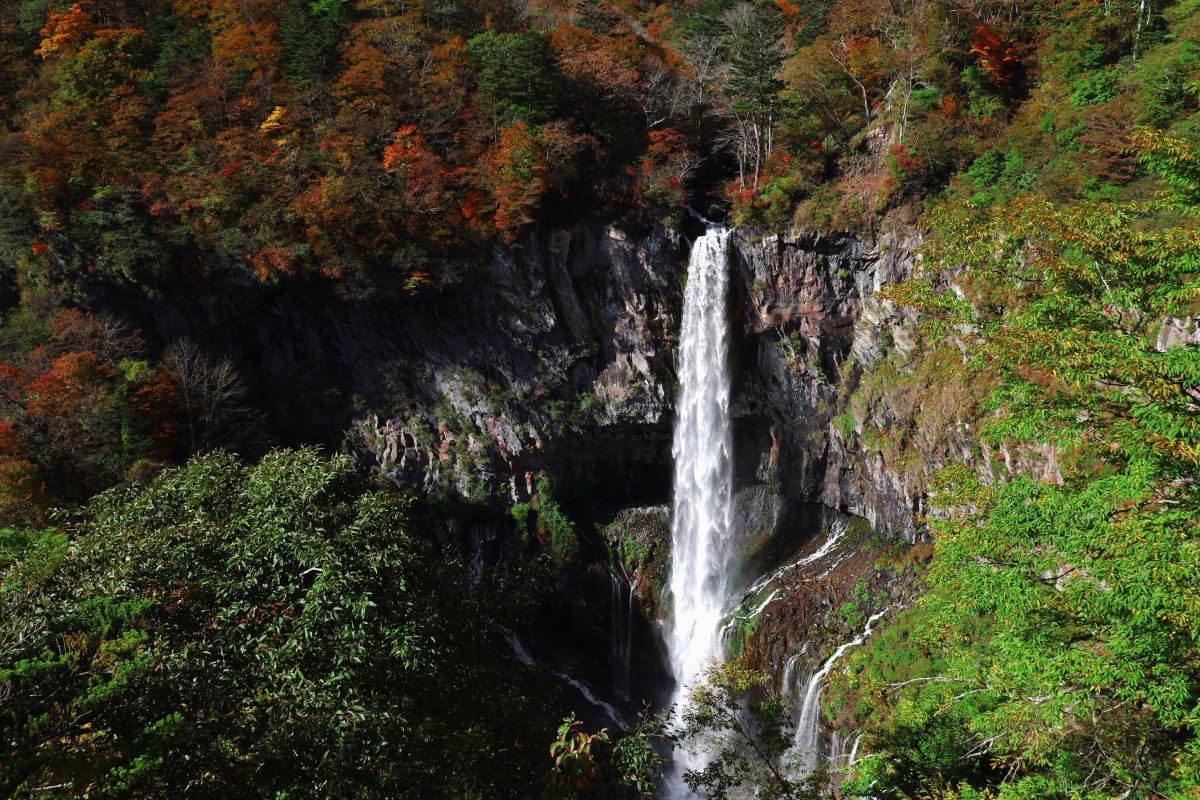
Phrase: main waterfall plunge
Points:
(702, 524)
(703, 449)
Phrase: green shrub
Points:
(1094, 88)
(844, 424)
(1068, 138)
(553, 523)
(925, 99)
(987, 169)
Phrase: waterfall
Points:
(627, 666)
(836, 532)
(621, 638)
(807, 741)
(703, 512)
(851, 759)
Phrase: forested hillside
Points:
(188, 610)
(1054, 650)
(149, 140)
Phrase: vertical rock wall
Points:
(810, 325)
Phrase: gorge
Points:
(541, 421)
(594, 316)
(599, 400)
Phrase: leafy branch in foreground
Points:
(600, 766)
(738, 731)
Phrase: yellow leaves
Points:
(1175, 448)
(277, 123)
(1148, 141)
(65, 29)
(274, 122)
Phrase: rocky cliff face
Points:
(554, 353)
(813, 337)
(569, 370)
(554, 356)
(810, 325)
(557, 356)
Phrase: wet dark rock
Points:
(554, 353)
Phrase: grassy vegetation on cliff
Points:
(1059, 634)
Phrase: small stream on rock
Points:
(806, 743)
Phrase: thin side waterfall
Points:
(807, 742)
(703, 448)
(621, 636)
(525, 657)
(836, 532)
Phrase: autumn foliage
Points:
(662, 172)
(80, 409)
(291, 139)
(65, 29)
(998, 60)
(296, 138)
(515, 176)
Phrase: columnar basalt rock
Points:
(553, 353)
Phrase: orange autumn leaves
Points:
(997, 58)
(667, 163)
(428, 182)
(516, 175)
(64, 29)
(77, 411)
(510, 179)
(294, 139)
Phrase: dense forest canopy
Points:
(151, 139)
(275, 630)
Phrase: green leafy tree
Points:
(739, 730)
(1086, 681)
(513, 73)
(273, 630)
(755, 53)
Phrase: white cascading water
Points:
(622, 638)
(703, 514)
(807, 742)
(525, 657)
